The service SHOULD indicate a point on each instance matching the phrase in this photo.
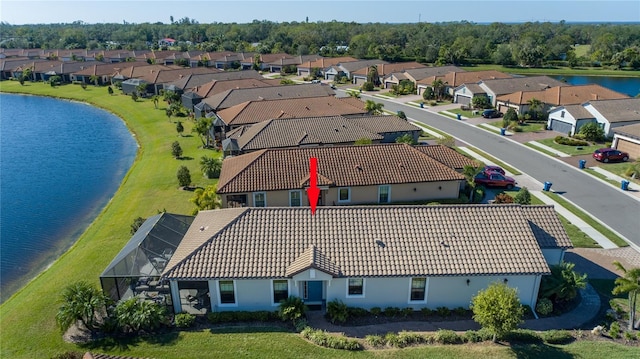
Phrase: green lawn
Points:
(572, 150)
(620, 168)
(526, 127)
(467, 114)
(536, 148)
(590, 221)
(581, 50)
(27, 319)
(592, 71)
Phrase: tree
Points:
(630, 284)
(134, 96)
(536, 109)
(134, 315)
(54, 80)
(176, 150)
(497, 309)
(184, 176)
(136, 224)
(470, 173)
(202, 129)
(373, 108)
(523, 196)
(592, 132)
(509, 117)
(446, 141)
(373, 76)
(80, 302)
(206, 199)
(428, 94)
(406, 138)
(368, 86)
(94, 79)
(110, 90)
(179, 128)
(438, 88)
(141, 89)
(563, 283)
(480, 102)
(402, 115)
(210, 166)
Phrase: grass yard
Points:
(573, 150)
(602, 177)
(27, 319)
(526, 127)
(536, 148)
(590, 221)
(467, 114)
(576, 71)
(620, 168)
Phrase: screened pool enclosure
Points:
(136, 270)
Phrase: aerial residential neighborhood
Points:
(351, 197)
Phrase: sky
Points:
(360, 11)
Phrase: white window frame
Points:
(388, 193)
(426, 291)
(259, 193)
(348, 194)
(273, 289)
(235, 293)
(299, 192)
(364, 286)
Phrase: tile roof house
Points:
(416, 74)
(317, 131)
(364, 256)
(321, 63)
(454, 79)
(556, 96)
(347, 175)
(609, 114)
(360, 75)
(627, 139)
(104, 71)
(494, 88)
(345, 68)
(255, 111)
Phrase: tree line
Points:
(527, 44)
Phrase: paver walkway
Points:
(549, 149)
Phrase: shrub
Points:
(357, 312)
(433, 103)
(337, 311)
(522, 336)
(517, 129)
(300, 324)
(445, 336)
(376, 311)
(544, 306)
(392, 311)
(614, 330)
(503, 198)
(471, 336)
(523, 196)
(410, 338)
(569, 141)
(322, 338)
(592, 132)
(628, 336)
(368, 86)
(460, 311)
(375, 341)
(292, 308)
(184, 176)
(443, 311)
(426, 312)
(184, 320)
(392, 340)
(406, 312)
(557, 337)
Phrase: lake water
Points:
(626, 85)
(60, 164)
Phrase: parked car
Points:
(490, 113)
(610, 155)
(498, 169)
(494, 179)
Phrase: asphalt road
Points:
(608, 204)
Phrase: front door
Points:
(314, 292)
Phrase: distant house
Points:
(346, 69)
(453, 79)
(627, 139)
(364, 256)
(556, 96)
(347, 175)
(167, 41)
(415, 75)
(494, 88)
(321, 64)
(360, 76)
(317, 131)
(608, 114)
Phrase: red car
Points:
(610, 155)
(489, 169)
(494, 179)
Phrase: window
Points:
(305, 290)
(280, 290)
(355, 287)
(384, 194)
(227, 292)
(344, 194)
(418, 288)
(295, 198)
(259, 199)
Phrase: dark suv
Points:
(491, 113)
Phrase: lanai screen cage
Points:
(138, 266)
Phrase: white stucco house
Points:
(365, 256)
(627, 139)
(609, 114)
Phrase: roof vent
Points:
(380, 243)
(358, 167)
(335, 129)
(201, 228)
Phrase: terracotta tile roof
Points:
(563, 95)
(385, 69)
(456, 78)
(530, 83)
(447, 156)
(280, 169)
(102, 69)
(621, 110)
(270, 58)
(360, 241)
(546, 227)
(325, 62)
(195, 80)
(237, 96)
(218, 86)
(629, 130)
(140, 71)
(359, 64)
(257, 111)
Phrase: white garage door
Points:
(463, 100)
(562, 127)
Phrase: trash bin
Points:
(581, 164)
(421, 104)
(459, 117)
(624, 185)
(547, 186)
(502, 131)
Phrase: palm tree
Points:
(373, 108)
(94, 79)
(80, 302)
(210, 166)
(470, 173)
(438, 87)
(535, 107)
(630, 284)
(373, 76)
